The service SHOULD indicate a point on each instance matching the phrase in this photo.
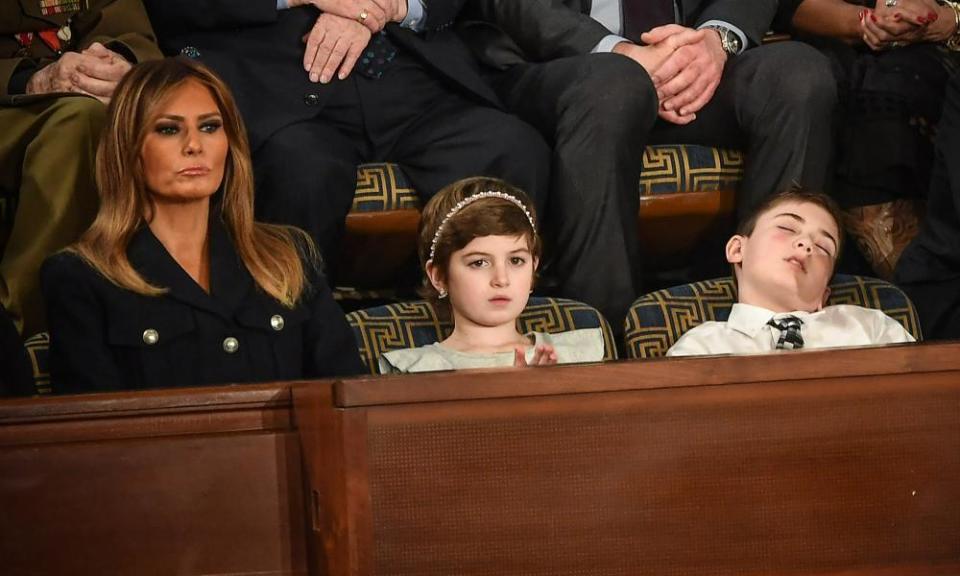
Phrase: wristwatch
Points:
(728, 39)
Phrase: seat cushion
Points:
(655, 321)
(413, 324)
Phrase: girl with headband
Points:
(479, 248)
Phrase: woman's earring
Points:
(443, 294)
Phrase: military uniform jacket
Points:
(120, 25)
(258, 51)
(107, 338)
(504, 33)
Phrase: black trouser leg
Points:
(306, 177)
(597, 111)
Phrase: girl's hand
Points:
(543, 355)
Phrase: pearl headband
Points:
(471, 199)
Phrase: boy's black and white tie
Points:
(789, 327)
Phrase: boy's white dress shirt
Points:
(746, 331)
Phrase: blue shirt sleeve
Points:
(416, 15)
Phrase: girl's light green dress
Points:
(574, 346)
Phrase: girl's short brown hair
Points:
(489, 216)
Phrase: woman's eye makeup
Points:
(211, 126)
(166, 128)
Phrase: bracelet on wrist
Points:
(953, 41)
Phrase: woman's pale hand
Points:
(543, 355)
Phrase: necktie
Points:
(789, 327)
(376, 56)
(641, 16)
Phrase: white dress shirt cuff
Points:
(743, 37)
(607, 44)
(416, 14)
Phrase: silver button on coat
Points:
(276, 322)
(150, 336)
(231, 345)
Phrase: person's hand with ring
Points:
(896, 14)
(370, 13)
(906, 22)
(333, 46)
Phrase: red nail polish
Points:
(932, 16)
(921, 20)
(873, 16)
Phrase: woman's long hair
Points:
(274, 255)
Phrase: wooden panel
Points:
(647, 374)
(376, 245)
(849, 466)
(203, 481)
(672, 226)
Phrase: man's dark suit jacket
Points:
(258, 51)
(508, 32)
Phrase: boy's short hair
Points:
(796, 194)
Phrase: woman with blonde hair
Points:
(174, 284)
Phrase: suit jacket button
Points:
(150, 336)
(230, 345)
(311, 99)
(276, 322)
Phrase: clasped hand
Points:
(342, 31)
(685, 65)
(95, 71)
(904, 22)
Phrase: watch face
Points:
(733, 41)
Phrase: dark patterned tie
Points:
(789, 327)
(377, 56)
(641, 16)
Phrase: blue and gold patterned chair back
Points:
(678, 168)
(38, 351)
(667, 169)
(657, 320)
(413, 324)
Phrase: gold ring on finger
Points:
(363, 16)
